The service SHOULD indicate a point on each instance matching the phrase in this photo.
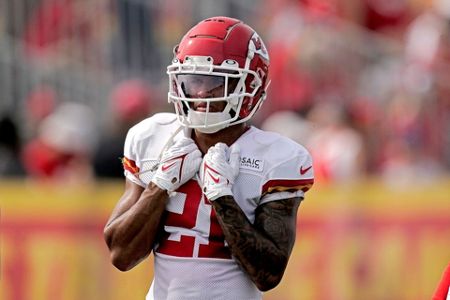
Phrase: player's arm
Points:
(133, 226)
(262, 249)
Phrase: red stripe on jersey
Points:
(130, 165)
(280, 185)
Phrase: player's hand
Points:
(218, 171)
(178, 164)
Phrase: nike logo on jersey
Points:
(303, 171)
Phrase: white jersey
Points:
(192, 260)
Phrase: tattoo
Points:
(262, 249)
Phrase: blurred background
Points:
(364, 85)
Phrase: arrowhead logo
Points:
(130, 165)
(303, 171)
(260, 48)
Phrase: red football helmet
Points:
(219, 60)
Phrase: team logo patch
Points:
(251, 163)
(130, 165)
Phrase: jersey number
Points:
(188, 219)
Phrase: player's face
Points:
(205, 87)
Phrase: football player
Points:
(212, 197)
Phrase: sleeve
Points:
(131, 169)
(289, 178)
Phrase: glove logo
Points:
(171, 162)
(167, 166)
(215, 179)
(208, 170)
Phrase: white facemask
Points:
(198, 118)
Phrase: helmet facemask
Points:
(225, 83)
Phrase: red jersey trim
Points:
(281, 185)
(130, 165)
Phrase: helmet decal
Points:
(260, 48)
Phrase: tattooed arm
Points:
(261, 249)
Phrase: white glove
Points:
(218, 171)
(178, 164)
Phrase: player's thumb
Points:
(235, 152)
(197, 160)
